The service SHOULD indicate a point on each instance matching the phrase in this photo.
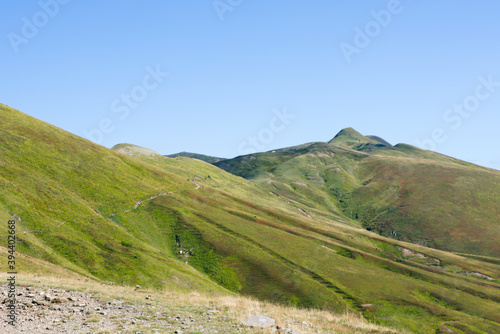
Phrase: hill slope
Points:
(68, 194)
(183, 224)
(398, 191)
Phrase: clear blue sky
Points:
(404, 70)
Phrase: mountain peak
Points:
(134, 151)
(349, 132)
(350, 136)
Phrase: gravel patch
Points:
(49, 310)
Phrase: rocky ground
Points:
(81, 305)
(62, 311)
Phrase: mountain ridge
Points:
(348, 164)
(203, 157)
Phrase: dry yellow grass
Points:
(303, 320)
(237, 308)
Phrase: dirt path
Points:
(136, 206)
(160, 194)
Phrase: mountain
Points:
(185, 225)
(134, 151)
(401, 192)
(350, 138)
(202, 157)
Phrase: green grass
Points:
(401, 192)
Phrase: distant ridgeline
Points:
(202, 157)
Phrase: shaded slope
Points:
(380, 140)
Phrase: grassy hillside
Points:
(183, 224)
(65, 192)
(398, 191)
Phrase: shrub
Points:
(126, 244)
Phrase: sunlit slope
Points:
(397, 191)
(62, 190)
(442, 205)
(277, 252)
